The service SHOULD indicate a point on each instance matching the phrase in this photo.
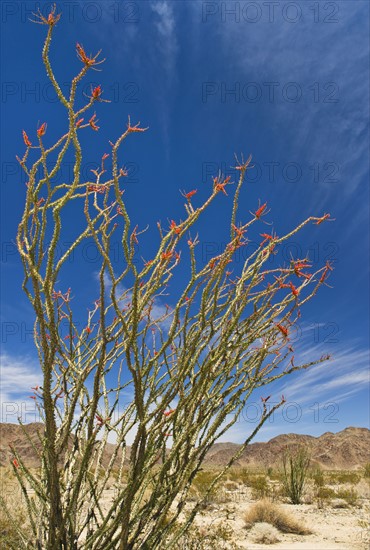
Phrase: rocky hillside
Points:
(348, 449)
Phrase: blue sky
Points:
(288, 83)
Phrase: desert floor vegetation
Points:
(235, 519)
(265, 511)
(14, 515)
(332, 515)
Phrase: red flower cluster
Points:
(175, 227)
(51, 20)
(26, 140)
(136, 128)
(259, 212)
(166, 255)
(284, 331)
(81, 54)
(41, 131)
(299, 265)
(96, 92)
(219, 185)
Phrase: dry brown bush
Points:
(268, 512)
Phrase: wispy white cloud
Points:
(17, 375)
(328, 124)
(165, 25)
(348, 370)
(315, 397)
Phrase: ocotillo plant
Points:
(190, 368)
(295, 467)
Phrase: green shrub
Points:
(318, 477)
(349, 495)
(295, 466)
(345, 477)
(201, 484)
(260, 487)
(324, 495)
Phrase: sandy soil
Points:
(333, 529)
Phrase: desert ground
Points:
(337, 514)
(250, 508)
(341, 528)
(335, 523)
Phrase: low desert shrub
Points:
(14, 525)
(266, 511)
(324, 495)
(349, 495)
(9, 530)
(241, 475)
(201, 484)
(201, 538)
(317, 477)
(341, 478)
(367, 470)
(260, 487)
(264, 533)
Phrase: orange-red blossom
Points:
(266, 238)
(26, 140)
(284, 331)
(220, 185)
(93, 122)
(290, 285)
(190, 194)
(328, 267)
(81, 54)
(323, 218)
(258, 213)
(299, 265)
(136, 128)
(166, 255)
(42, 129)
(96, 92)
(175, 227)
(51, 20)
(168, 413)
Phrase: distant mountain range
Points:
(348, 449)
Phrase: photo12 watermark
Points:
(267, 12)
(270, 92)
(90, 12)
